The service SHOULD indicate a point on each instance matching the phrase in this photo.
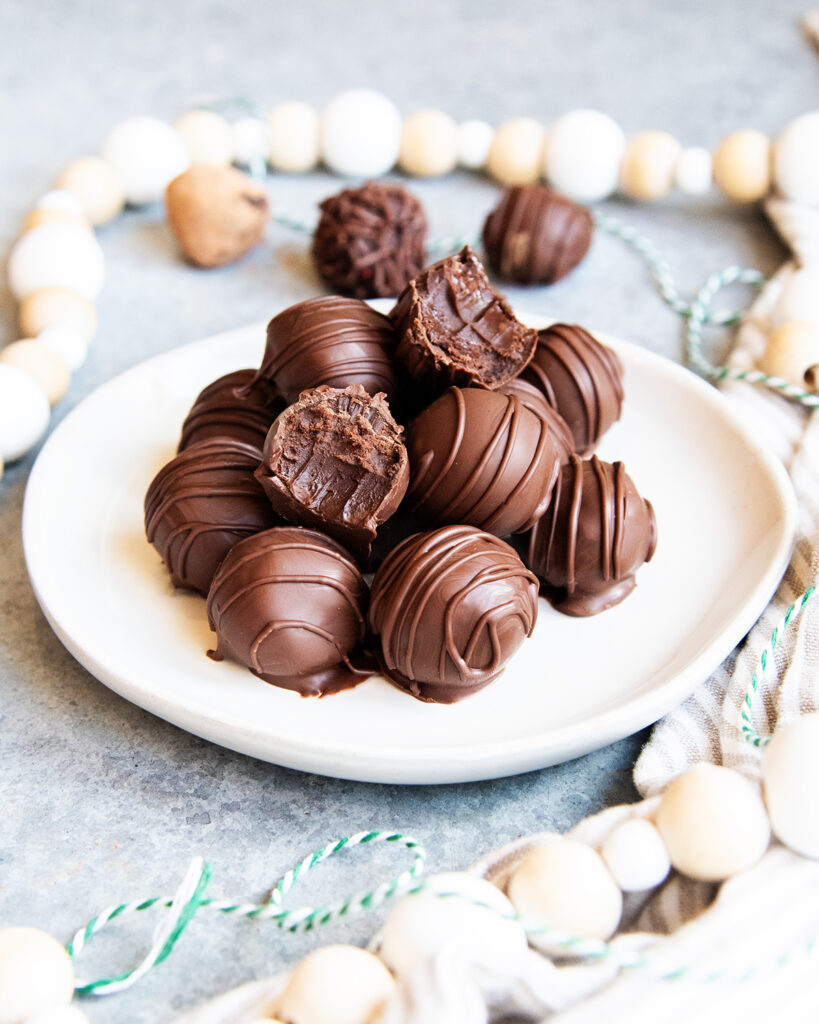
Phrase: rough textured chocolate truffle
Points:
(232, 407)
(455, 329)
(335, 460)
(535, 235)
(370, 240)
(329, 340)
(290, 604)
(534, 399)
(451, 608)
(581, 378)
(595, 535)
(202, 503)
(481, 458)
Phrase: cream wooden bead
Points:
(59, 199)
(635, 855)
(94, 182)
(360, 134)
(429, 144)
(56, 255)
(24, 413)
(799, 298)
(41, 363)
(796, 160)
(50, 307)
(336, 985)
(295, 137)
(67, 343)
(583, 155)
(35, 971)
(58, 1015)
(516, 152)
(44, 215)
(649, 163)
(790, 778)
(742, 166)
(474, 140)
(251, 142)
(792, 352)
(146, 154)
(207, 137)
(693, 174)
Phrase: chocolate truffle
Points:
(454, 328)
(335, 460)
(595, 535)
(535, 235)
(329, 340)
(534, 399)
(290, 604)
(581, 378)
(202, 503)
(451, 607)
(481, 458)
(232, 407)
(370, 240)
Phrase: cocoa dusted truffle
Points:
(451, 607)
(370, 240)
(233, 407)
(329, 340)
(481, 458)
(335, 460)
(581, 378)
(202, 503)
(535, 235)
(454, 328)
(290, 604)
(595, 535)
(534, 399)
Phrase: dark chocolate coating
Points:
(232, 407)
(451, 607)
(535, 235)
(534, 399)
(595, 535)
(200, 504)
(335, 461)
(290, 604)
(581, 378)
(370, 240)
(454, 328)
(329, 340)
(481, 458)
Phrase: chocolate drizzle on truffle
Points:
(232, 407)
(534, 399)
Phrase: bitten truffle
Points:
(370, 240)
(451, 607)
(290, 604)
(595, 535)
(232, 407)
(202, 503)
(535, 235)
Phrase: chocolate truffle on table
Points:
(290, 604)
(370, 240)
(595, 535)
(454, 328)
(535, 235)
(451, 607)
(200, 504)
(233, 407)
(481, 458)
(335, 461)
(534, 399)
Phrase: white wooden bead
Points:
(516, 152)
(146, 155)
(693, 174)
(67, 343)
(59, 199)
(792, 352)
(56, 255)
(295, 137)
(583, 155)
(50, 307)
(94, 183)
(649, 163)
(429, 144)
(474, 140)
(799, 298)
(251, 143)
(796, 160)
(24, 413)
(336, 985)
(207, 137)
(742, 166)
(44, 215)
(635, 854)
(790, 777)
(713, 823)
(360, 134)
(58, 1015)
(41, 363)
(565, 885)
(35, 970)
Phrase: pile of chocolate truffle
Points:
(443, 448)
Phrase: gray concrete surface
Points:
(99, 801)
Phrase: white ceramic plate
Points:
(725, 513)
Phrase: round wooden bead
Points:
(295, 137)
(49, 307)
(649, 163)
(713, 823)
(635, 854)
(58, 1015)
(516, 152)
(790, 778)
(799, 298)
(94, 183)
(796, 160)
(59, 199)
(41, 363)
(56, 255)
(429, 144)
(207, 137)
(45, 215)
(67, 343)
(474, 140)
(146, 154)
(336, 985)
(24, 412)
(35, 970)
(251, 143)
(792, 352)
(584, 154)
(694, 171)
(360, 134)
(742, 166)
